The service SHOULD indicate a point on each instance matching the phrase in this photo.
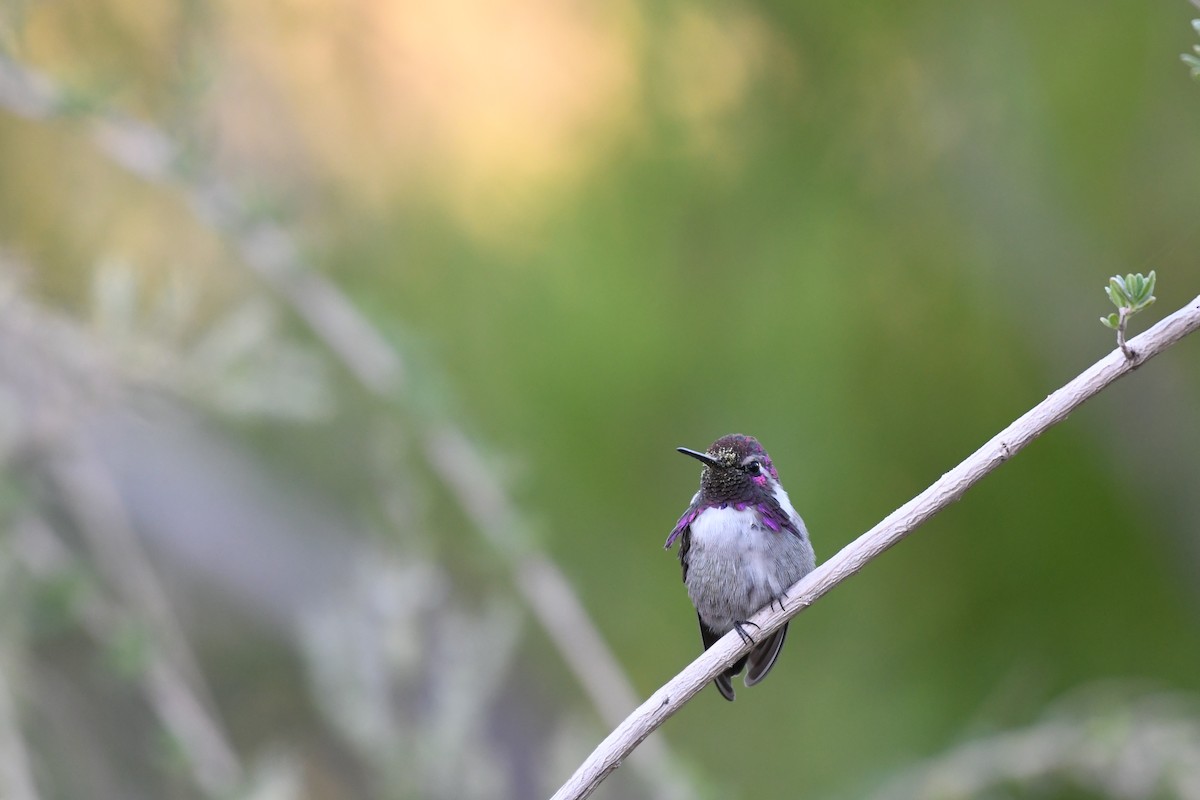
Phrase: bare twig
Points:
(1124, 317)
(949, 488)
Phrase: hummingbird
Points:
(741, 546)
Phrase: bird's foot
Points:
(741, 631)
(778, 600)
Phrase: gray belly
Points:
(736, 567)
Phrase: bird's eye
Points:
(754, 467)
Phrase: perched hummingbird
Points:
(742, 545)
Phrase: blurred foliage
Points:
(1192, 61)
(594, 233)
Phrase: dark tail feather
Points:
(763, 656)
(724, 681)
(760, 660)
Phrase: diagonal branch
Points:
(901, 522)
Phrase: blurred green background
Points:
(869, 235)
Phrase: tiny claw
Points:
(741, 631)
(779, 600)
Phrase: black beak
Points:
(705, 457)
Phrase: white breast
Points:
(724, 532)
(736, 566)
